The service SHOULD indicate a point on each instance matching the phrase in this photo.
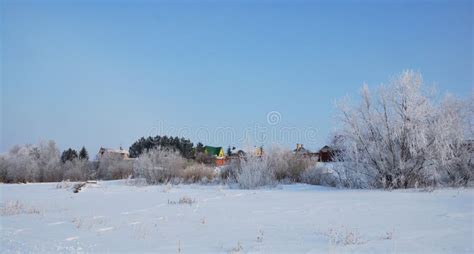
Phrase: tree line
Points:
(182, 145)
(397, 136)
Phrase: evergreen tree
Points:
(68, 155)
(83, 154)
(182, 145)
(199, 148)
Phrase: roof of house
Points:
(211, 150)
(302, 150)
(326, 149)
(111, 150)
(241, 153)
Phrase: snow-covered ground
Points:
(116, 217)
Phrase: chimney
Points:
(299, 146)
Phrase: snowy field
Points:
(115, 217)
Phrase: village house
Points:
(259, 151)
(217, 153)
(301, 151)
(113, 153)
(325, 154)
(234, 153)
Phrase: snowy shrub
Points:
(77, 170)
(237, 249)
(135, 181)
(167, 187)
(121, 169)
(454, 155)
(78, 222)
(204, 158)
(402, 138)
(16, 207)
(114, 167)
(334, 174)
(275, 165)
(255, 172)
(186, 200)
(344, 236)
(141, 231)
(229, 172)
(260, 236)
(76, 188)
(287, 165)
(65, 184)
(321, 174)
(182, 201)
(349, 178)
(388, 235)
(460, 170)
(198, 173)
(159, 166)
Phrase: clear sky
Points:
(104, 73)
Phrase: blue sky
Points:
(103, 73)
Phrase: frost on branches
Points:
(399, 137)
(31, 163)
(159, 165)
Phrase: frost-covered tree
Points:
(77, 170)
(33, 163)
(159, 165)
(277, 164)
(454, 153)
(3, 168)
(49, 162)
(112, 166)
(286, 165)
(399, 137)
(255, 172)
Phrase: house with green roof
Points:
(217, 153)
(214, 151)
